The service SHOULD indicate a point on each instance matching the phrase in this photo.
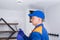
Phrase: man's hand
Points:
(21, 32)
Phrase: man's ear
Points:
(41, 19)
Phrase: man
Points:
(39, 32)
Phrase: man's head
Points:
(37, 17)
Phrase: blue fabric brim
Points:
(30, 15)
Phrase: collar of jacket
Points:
(38, 25)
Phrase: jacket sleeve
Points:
(35, 36)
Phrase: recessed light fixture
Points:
(19, 1)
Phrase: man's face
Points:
(35, 20)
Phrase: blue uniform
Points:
(39, 33)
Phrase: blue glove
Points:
(20, 35)
(21, 32)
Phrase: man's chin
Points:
(34, 24)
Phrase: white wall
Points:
(12, 16)
(53, 20)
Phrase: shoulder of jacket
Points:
(38, 29)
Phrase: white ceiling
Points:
(24, 4)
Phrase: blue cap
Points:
(37, 13)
